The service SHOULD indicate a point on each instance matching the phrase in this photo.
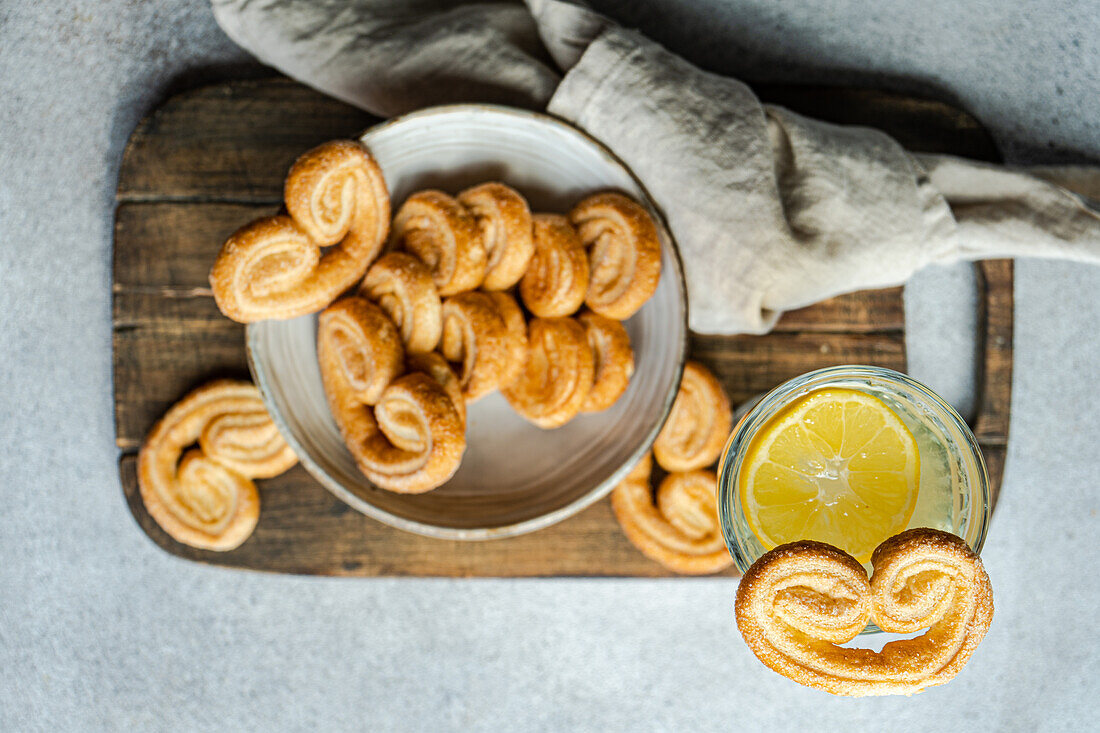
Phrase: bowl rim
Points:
(582, 502)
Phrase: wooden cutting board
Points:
(210, 160)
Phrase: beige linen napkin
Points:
(771, 210)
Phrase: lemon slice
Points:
(836, 466)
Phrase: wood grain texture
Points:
(210, 160)
(995, 321)
(868, 311)
(337, 540)
(230, 142)
(750, 365)
(922, 125)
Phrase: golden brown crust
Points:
(515, 327)
(441, 233)
(698, 425)
(475, 341)
(614, 360)
(435, 366)
(681, 531)
(624, 253)
(402, 286)
(557, 373)
(799, 601)
(504, 220)
(273, 268)
(358, 341)
(413, 439)
(557, 279)
(204, 497)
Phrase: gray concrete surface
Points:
(99, 630)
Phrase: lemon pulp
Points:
(836, 466)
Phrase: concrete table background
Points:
(100, 630)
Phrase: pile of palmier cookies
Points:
(456, 297)
(420, 315)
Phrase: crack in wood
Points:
(160, 198)
(176, 326)
(166, 291)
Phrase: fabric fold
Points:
(393, 56)
(771, 210)
(1002, 212)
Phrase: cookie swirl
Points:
(205, 497)
(680, 531)
(475, 341)
(412, 439)
(435, 366)
(624, 253)
(697, 427)
(504, 220)
(557, 373)
(800, 601)
(443, 235)
(614, 360)
(402, 286)
(359, 342)
(557, 278)
(515, 336)
(273, 268)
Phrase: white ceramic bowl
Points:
(515, 477)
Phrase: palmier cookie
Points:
(698, 425)
(357, 341)
(413, 439)
(205, 497)
(557, 278)
(624, 253)
(800, 601)
(444, 236)
(273, 268)
(402, 286)
(515, 327)
(504, 220)
(614, 360)
(435, 366)
(557, 373)
(475, 341)
(680, 531)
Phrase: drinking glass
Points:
(953, 493)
